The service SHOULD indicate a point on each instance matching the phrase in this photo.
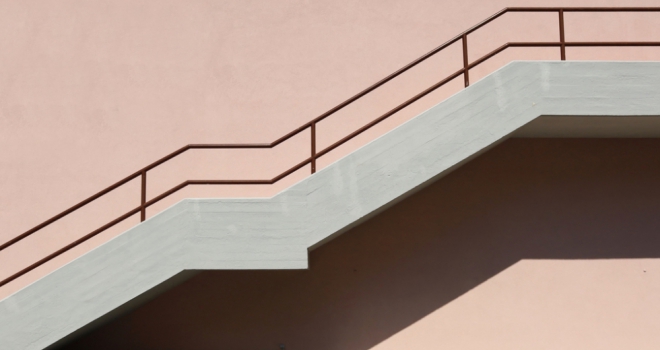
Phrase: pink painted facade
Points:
(91, 91)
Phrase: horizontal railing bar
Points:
(229, 182)
(613, 43)
(557, 44)
(583, 43)
(231, 146)
(583, 9)
(534, 44)
(612, 9)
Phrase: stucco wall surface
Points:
(276, 232)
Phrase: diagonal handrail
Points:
(311, 125)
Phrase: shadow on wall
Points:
(525, 199)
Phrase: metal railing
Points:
(562, 44)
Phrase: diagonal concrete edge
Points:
(277, 232)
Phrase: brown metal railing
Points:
(311, 125)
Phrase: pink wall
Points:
(91, 91)
(537, 244)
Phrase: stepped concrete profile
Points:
(278, 232)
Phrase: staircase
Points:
(277, 232)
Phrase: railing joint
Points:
(466, 65)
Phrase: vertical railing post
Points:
(466, 74)
(313, 129)
(143, 197)
(562, 39)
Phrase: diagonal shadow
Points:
(524, 199)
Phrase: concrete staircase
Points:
(278, 232)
